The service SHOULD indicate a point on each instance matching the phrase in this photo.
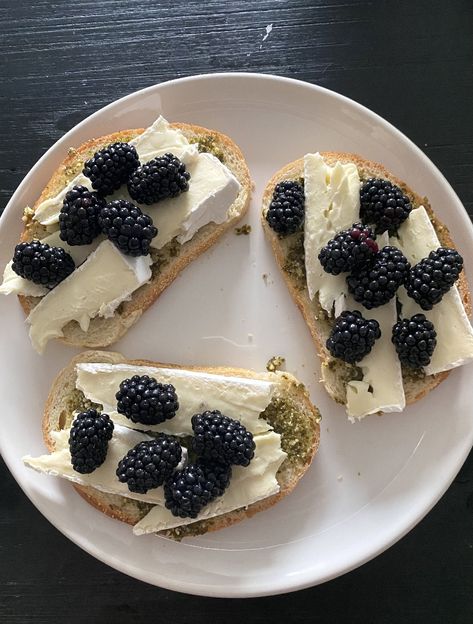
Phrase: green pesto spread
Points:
(294, 264)
(244, 229)
(162, 257)
(275, 363)
(209, 143)
(283, 414)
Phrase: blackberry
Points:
(88, 440)
(219, 474)
(376, 283)
(42, 264)
(143, 400)
(352, 337)
(187, 492)
(415, 340)
(432, 277)
(348, 249)
(147, 465)
(222, 439)
(383, 204)
(160, 178)
(127, 227)
(78, 219)
(111, 167)
(286, 211)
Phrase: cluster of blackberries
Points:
(85, 214)
(218, 444)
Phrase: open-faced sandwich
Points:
(376, 277)
(176, 450)
(117, 222)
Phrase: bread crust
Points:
(294, 170)
(103, 332)
(128, 510)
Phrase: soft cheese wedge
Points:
(96, 288)
(381, 387)
(274, 406)
(377, 383)
(14, 284)
(417, 238)
(241, 399)
(218, 195)
(332, 203)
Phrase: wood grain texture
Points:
(412, 63)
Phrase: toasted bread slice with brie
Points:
(286, 432)
(167, 261)
(289, 252)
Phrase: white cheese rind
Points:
(212, 190)
(47, 213)
(248, 485)
(381, 389)
(160, 138)
(417, 238)
(97, 287)
(14, 284)
(79, 253)
(332, 204)
(236, 397)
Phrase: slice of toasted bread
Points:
(290, 413)
(289, 254)
(168, 262)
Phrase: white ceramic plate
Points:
(370, 482)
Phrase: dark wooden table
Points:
(411, 62)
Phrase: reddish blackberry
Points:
(88, 440)
(383, 204)
(352, 337)
(222, 439)
(147, 465)
(127, 227)
(160, 178)
(376, 283)
(286, 211)
(111, 167)
(415, 340)
(42, 264)
(143, 400)
(78, 219)
(432, 277)
(187, 492)
(348, 249)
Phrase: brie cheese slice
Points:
(417, 238)
(96, 288)
(381, 389)
(103, 478)
(236, 397)
(14, 284)
(332, 204)
(47, 213)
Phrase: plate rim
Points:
(273, 587)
